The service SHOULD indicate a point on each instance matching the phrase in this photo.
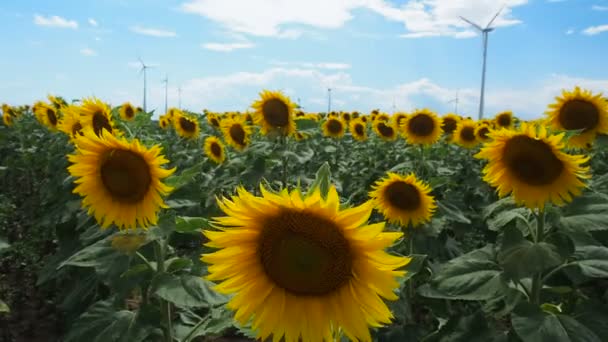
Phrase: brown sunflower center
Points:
(129, 112)
(187, 125)
(579, 114)
(359, 129)
(504, 120)
(52, 117)
(346, 117)
(403, 196)
(216, 149)
(449, 125)
(276, 113)
(214, 122)
(385, 130)
(77, 129)
(334, 126)
(532, 161)
(125, 175)
(101, 122)
(421, 125)
(304, 253)
(237, 133)
(483, 132)
(467, 134)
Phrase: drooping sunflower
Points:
(274, 112)
(422, 127)
(164, 121)
(97, 115)
(403, 200)
(464, 135)
(301, 268)
(236, 132)
(449, 123)
(579, 110)
(333, 127)
(7, 119)
(530, 164)
(358, 129)
(482, 131)
(504, 119)
(57, 101)
(385, 130)
(47, 115)
(214, 149)
(70, 122)
(120, 181)
(186, 126)
(127, 112)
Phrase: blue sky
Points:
(392, 55)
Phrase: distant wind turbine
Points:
(484, 32)
(328, 101)
(166, 82)
(455, 101)
(143, 69)
(179, 97)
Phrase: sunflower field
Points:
(274, 224)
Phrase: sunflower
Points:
(365, 118)
(57, 102)
(120, 181)
(214, 149)
(47, 115)
(300, 268)
(403, 200)
(274, 112)
(382, 117)
(579, 110)
(236, 132)
(299, 136)
(530, 164)
(385, 130)
(8, 110)
(399, 118)
(346, 117)
(7, 119)
(96, 114)
(127, 112)
(422, 127)
(164, 121)
(333, 127)
(482, 131)
(464, 135)
(185, 125)
(449, 123)
(358, 129)
(70, 122)
(300, 114)
(504, 119)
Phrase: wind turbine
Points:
(166, 82)
(455, 101)
(179, 97)
(484, 32)
(328, 101)
(143, 69)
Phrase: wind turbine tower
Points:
(484, 33)
(455, 101)
(143, 69)
(166, 82)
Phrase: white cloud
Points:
(88, 52)
(421, 18)
(599, 8)
(227, 47)
(93, 22)
(593, 30)
(570, 31)
(323, 65)
(137, 65)
(54, 21)
(147, 31)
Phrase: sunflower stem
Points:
(410, 282)
(284, 160)
(165, 307)
(537, 280)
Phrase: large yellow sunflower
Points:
(464, 135)
(274, 112)
(422, 127)
(504, 119)
(530, 164)
(70, 122)
(449, 123)
(482, 131)
(579, 110)
(214, 149)
(236, 132)
(301, 268)
(126, 111)
(47, 115)
(185, 125)
(358, 129)
(120, 181)
(333, 127)
(385, 130)
(403, 199)
(97, 115)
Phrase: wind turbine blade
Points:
(495, 16)
(471, 23)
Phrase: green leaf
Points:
(588, 213)
(473, 276)
(414, 266)
(4, 307)
(500, 205)
(592, 261)
(177, 181)
(191, 225)
(520, 257)
(186, 291)
(533, 324)
(498, 222)
(180, 203)
(322, 180)
(306, 124)
(178, 264)
(3, 245)
(473, 328)
(452, 212)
